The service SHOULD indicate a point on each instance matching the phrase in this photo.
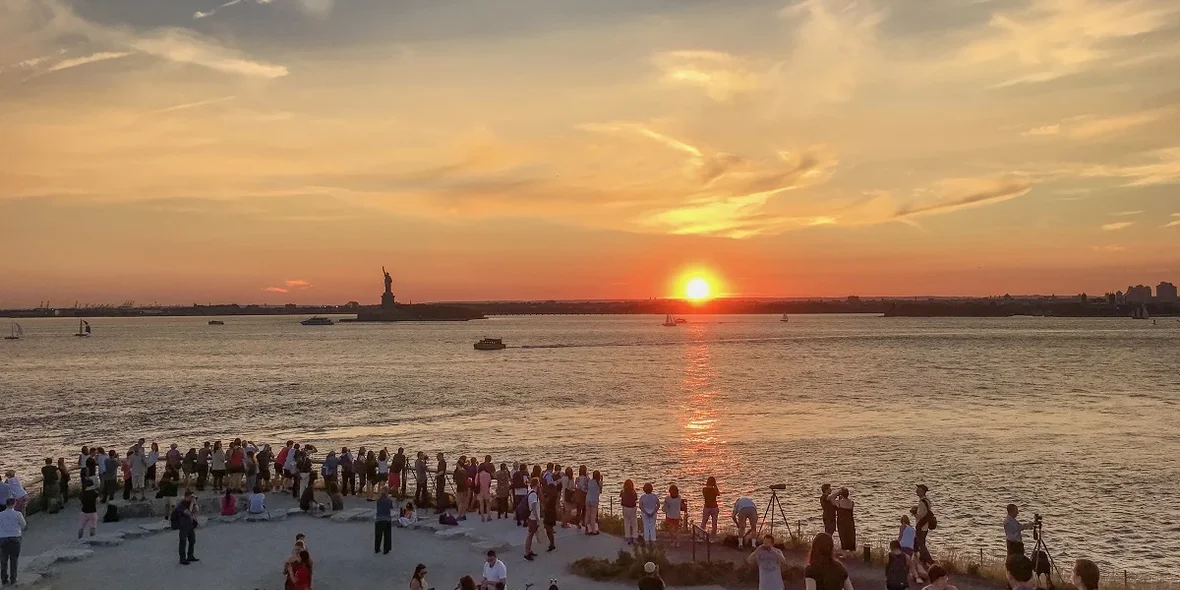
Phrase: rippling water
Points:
(1078, 419)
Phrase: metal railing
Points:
(698, 532)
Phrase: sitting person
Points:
(335, 495)
(169, 488)
(408, 516)
(257, 502)
(229, 504)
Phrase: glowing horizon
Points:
(274, 151)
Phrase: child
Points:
(905, 538)
(674, 507)
(897, 570)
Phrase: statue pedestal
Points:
(387, 301)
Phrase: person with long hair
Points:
(503, 490)
(823, 572)
(466, 583)
(845, 522)
(418, 580)
(628, 499)
(580, 484)
(460, 480)
(63, 480)
(1085, 575)
(382, 483)
(217, 466)
(674, 507)
(593, 495)
(299, 572)
(710, 493)
(370, 474)
(229, 504)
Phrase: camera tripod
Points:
(772, 505)
(1041, 556)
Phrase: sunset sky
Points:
(284, 150)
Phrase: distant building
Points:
(1138, 294)
(1166, 292)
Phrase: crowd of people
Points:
(540, 499)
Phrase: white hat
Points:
(649, 567)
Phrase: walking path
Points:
(141, 553)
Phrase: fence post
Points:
(981, 558)
(1125, 585)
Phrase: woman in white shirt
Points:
(382, 471)
(17, 491)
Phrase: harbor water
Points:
(1075, 419)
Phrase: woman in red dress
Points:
(299, 572)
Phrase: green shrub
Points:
(629, 567)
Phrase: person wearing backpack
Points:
(926, 523)
(185, 523)
(897, 570)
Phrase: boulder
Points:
(135, 533)
(452, 534)
(227, 519)
(492, 545)
(104, 540)
(158, 526)
(28, 580)
(137, 509)
(293, 511)
(265, 516)
(41, 563)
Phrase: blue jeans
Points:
(9, 552)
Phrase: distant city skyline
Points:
(273, 151)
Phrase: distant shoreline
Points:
(887, 307)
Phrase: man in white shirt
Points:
(495, 573)
(533, 501)
(1014, 531)
(12, 524)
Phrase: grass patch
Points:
(628, 567)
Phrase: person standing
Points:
(397, 467)
(845, 522)
(503, 490)
(299, 572)
(593, 497)
(89, 516)
(139, 469)
(926, 523)
(217, 467)
(382, 483)
(63, 480)
(153, 457)
(710, 493)
(770, 561)
(49, 488)
(359, 462)
(110, 476)
(371, 467)
(331, 468)
(649, 508)
(580, 484)
(823, 572)
(203, 457)
(251, 467)
(264, 458)
(460, 480)
(674, 508)
(347, 475)
(421, 493)
(188, 466)
(383, 524)
(12, 526)
(483, 484)
(1014, 531)
(440, 485)
(827, 508)
(628, 500)
(549, 501)
(520, 490)
(533, 501)
(185, 523)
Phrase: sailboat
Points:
(785, 318)
(17, 332)
(1141, 313)
(83, 328)
(669, 322)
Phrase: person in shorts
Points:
(745, 513)
(483, 484)
(89, 516)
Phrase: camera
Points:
(1037, 519)
(779, 486)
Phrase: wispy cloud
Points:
(1128, 213)
(721, 75)
(275, 290)
(81, 61)
(193, 105)
(1111, 248)
(1043, 130)
(1165, 170)
(1117, 225)
(958, 194)
(1175, 223)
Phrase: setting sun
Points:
(697, 289)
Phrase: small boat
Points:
(17, 332)
(785, 319)
(681, 321)
(490, 344)
(83, 328)
(318, 321)
(1141, 313)
(669, 322)
(216, 323)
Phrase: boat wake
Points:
(660, 343)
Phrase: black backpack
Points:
(931, 520)
(112, 514)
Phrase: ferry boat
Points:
(490, 344)
(318, 321)
(216, 323)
